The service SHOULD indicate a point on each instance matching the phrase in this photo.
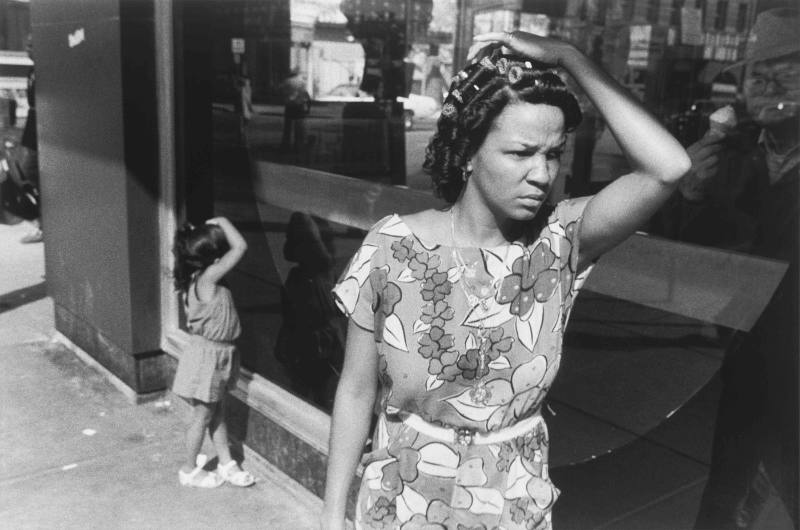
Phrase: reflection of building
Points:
(674, 50)
(14, 24)
(15, 63)
(334, 58)
(265, 29)
(653, 46)
(387, 31)
(483, 16)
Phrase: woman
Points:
(458, 315)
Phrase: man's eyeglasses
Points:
(784, 80)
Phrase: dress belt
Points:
(211, 342)
(468, 436)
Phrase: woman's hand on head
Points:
(543, 49)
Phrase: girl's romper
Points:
(460, 442)
(210, 362)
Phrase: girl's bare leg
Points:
(219, 433)
(202, 414)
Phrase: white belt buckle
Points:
(465, 436)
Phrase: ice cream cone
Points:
(722, 122)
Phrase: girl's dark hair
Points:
(478, 94)
(196, 247)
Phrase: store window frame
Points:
(304, 421)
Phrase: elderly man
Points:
(747, 199)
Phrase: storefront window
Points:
(310, 90)
(322, 113)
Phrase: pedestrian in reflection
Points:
(30, 153)
(208, 365)
(297, 103)
(310, 341)
(243, 104)
(755, 451)
(434, 83)
(457, 315)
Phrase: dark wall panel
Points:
(139, 105)
(81, 155)
(98, 152)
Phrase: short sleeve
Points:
(354, 293)
(565, 224)
(568, 216)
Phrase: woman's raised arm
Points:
(657, 160)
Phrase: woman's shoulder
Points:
(569, 210)
(428, 225)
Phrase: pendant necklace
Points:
(479, 394)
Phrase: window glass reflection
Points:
(307, 92)
(354, 88)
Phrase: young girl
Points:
(203, 255)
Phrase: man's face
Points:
(772, 89)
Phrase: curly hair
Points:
(478, 94)
(195, 248)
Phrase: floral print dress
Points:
(466, 338)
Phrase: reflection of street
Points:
(266, 126)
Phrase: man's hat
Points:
(775, 33)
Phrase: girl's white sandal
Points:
(231, 472)
(192, 478)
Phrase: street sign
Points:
(692, 26)
(237, 46)
(639, 52)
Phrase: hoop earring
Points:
(466, 172)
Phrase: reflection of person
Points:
(30, 141)
(297, 101)
(434, 83)
(711, 206)
(755, 452)
(243, 104)
(203, 256)
(18, 195)
(457, 315)
(310, 341)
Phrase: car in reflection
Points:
(415, 106)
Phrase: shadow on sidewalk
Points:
(20, 297)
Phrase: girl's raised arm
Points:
(238, 246)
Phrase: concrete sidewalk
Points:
(78, 454)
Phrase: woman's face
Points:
(515, 167)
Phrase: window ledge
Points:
(301, 419)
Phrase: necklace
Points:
(479, 394)
(474, 296)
